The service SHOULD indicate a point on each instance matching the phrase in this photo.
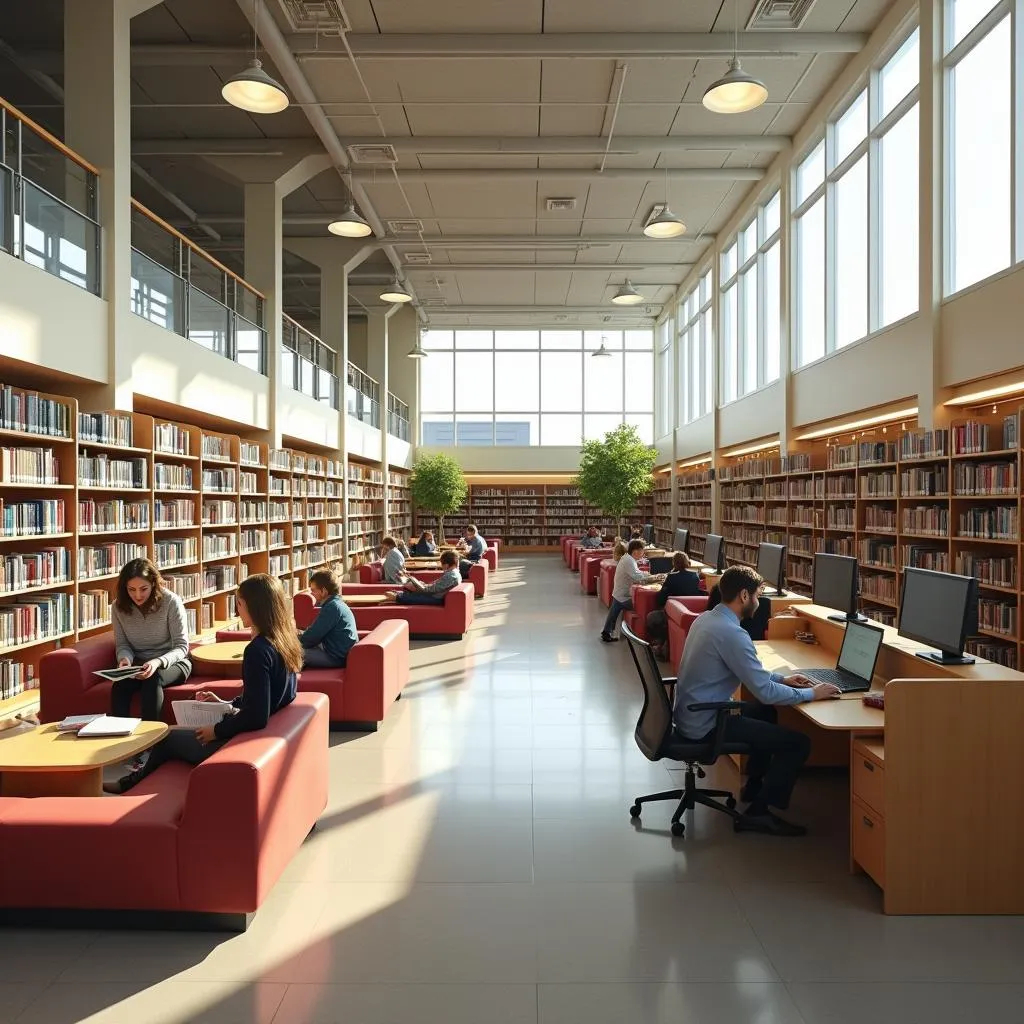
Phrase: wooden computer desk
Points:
(936, 779)
(779, 602)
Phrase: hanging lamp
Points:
(665, 224)
(416, 351)
(602, 352)
(395, 292)
(253, 89)
(627, 295)
(350, 224)
(735, 92)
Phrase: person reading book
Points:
(326, 643)
(150, 631)
(269, 666)
(417, 592)
(425, 545)
(393, 561)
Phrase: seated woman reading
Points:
(425, 545)
(418, 592)
(680, 582)
(393, 561)
(269, 666)
(151, 631)
(326, 643)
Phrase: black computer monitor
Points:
(648, 531)
(771, 567)
(835, 585)
(682, 539)
(714, 553)
(939, 609)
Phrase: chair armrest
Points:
(669, 680)
(723, 709)
(718, 705)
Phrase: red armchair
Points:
(207, 843)
(606, 580)
(644, 601)
(565, 541)
(448, 621)
(590, 568)
(682, 613)
(373, 572)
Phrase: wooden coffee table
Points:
(45, 762)
(365, 599)
(223, 659)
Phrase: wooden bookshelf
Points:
(366, 517)
(694, 508)
(399, 504)
(661, 498)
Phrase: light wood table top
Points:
(45, 762)
(357, 600)
(219, 654)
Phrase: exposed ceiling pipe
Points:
(281, 55)
(612, 115)
(486, 174)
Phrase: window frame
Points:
(693, 327)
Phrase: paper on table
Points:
(108, 725)
(197, 713)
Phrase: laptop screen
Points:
(860, 649)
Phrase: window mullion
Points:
(977, 34)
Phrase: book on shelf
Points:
(170, 439)
(172, 477)
(29, 411)
(115, 514)
(29, 466)
(171, 512)
(216, 448)
(113, 428)
(31, 518)
(26, 569)
(104, 559)
(103, 471)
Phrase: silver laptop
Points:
(856, 665)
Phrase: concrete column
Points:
(377, 367)
(403, 373)
(97, 124)
(263, 270)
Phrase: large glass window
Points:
(695, 351)
(665, 419)
(747, 336)
(857, 214)
(483, 387)
(979, 167)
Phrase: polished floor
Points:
(477, 865)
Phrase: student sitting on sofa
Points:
(326, 643)
(473, 547)
(418, 592)
(150, 630)
(269, 666)
(425, 545)
(394, 561)
(400, 544)
(592, 538)
(680, 582)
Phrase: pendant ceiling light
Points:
(395, 292)
(735, 92)
(602, 352)
(417, 352)
(665, 224)
(253, 89)
(627, 295)
(350, 224)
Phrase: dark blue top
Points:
(681, 583)
(424, 547)
(475, 548)
(267, 686)
(334, 629)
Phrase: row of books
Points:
(279, 459)
(253, 541)
(872, 551)
(171, 551)
(221, 512)
(880, 517)
(878, 485)
(248, 453)
(927, 519)
(116, 514)
(220, 480)
(1000, 653)
(36, 618)
(172, 477)
(103, 471)
(104, 559)
(29, 411)
(992, 522)
(93, 608)
(172, 439)
(919, 556)
(219, 545)
(105, 428)
(29, 466)
(305, 534)
(972, 438)
(985, 478)
(252, 512)
(174, 512)
(993, 570)
(15, 678)
(219, 577)
(879, 586)
(997, 616)
(22, 570)
(924, 482)
(30, 518)
(924, 444)
(216, 448)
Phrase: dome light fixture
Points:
(395, 292)
(602, 352)
(416, 352)
(735, 92)
(665, 224)
(350, 224)
(627, 295)
(253, 89)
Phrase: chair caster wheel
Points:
(634, 811)
(678, 828)
(730, 802)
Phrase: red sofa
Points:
(380, 663)
(606, 580)
(373, 572)
(448, 621)
(565, 540)
(202, 845)
(590, 568)
(682, 613)
(644, 601)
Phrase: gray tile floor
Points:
(477, 865)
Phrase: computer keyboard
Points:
(846, 681)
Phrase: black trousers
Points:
(776, 753)
(413, 597)
(464, 566)
(180, 744)
(151, 691)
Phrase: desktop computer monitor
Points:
(648, 530)
(714, 553)
(771, 567)
(835, 585)
(682, 540)
(939, 609)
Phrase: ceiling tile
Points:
(616, 16)
(459, 16)
(551, 288)
(447, 119)
(614, 198)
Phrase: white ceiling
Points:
(482, 104)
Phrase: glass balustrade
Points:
(398, 418)
(307, 364)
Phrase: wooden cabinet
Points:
(867, 808)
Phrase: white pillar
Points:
(403, 373)
(377, 367)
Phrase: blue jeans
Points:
(617, 608)
(410, 597)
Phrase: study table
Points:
(936, 779)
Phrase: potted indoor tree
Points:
(616, 471)
(438, 485)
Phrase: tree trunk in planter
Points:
(440, 532)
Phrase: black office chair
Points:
(657, 739)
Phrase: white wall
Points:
(48, 322)
(511, 459)
(357, 344)
(306, 419)
(755, 415)
(362, 439)
(400, 453)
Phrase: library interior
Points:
(511, 511)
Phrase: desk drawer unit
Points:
(867, 774)
(867, 836)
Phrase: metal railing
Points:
(398, 418)
(178, 286)
(362, 396)
(307, 364)
(49, 202)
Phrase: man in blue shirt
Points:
(393, 561)
(719, 657)
(333, 633)
(473, 546)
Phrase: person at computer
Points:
(472, 546)
(417, 592)
(332, 634)
(270, 665)
(592, 539)
(627, 572)
(151, 631)
(425, 545)
(393, 559)
(680, 582)
(720, 656)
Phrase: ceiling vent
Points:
(326, 17)
(434, 300)
(380, 153)
(779, 15)
(560, 205)
(405, 227)
(419, 258)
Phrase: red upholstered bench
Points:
(644, 601)
(448, 621)
(682, 612)
(491, 558)
(373, 572)
(564, 542)
(203, 846)
(590, 568)
(606, 580)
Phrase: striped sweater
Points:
(162, 634)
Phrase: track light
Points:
(253, 89)
(395, 292)
(350, 224)
(627, 295)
